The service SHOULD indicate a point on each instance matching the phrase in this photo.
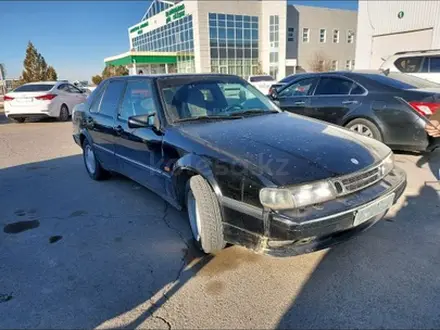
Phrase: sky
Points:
(75, 36)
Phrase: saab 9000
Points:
(246, 172)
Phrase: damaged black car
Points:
(245, 172)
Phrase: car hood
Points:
(287, 148)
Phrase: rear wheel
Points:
(93, 167)
(365, 127)
(204, 215)
(64, 113)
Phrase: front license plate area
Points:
(373, 209)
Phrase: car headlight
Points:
(387, 164)
(299, 196)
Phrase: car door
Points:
(139, 150)
(296, 97)
(334, 97)
(64, 96)
(100, 122)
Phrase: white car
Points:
(423, 64)
(42, 99)
(262, 82)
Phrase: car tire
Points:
(93, 167)
(204, 215)
(64, 113)
(365, 127)
(19, 120)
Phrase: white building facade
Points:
(241, 37)
(387, 27)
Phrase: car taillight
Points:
(47, 97)
(425, 108)
(7, 98)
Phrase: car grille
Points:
(358, 181)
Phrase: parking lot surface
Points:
(75, 253)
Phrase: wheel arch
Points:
(83, 136)
(188, 166)
(373, 120)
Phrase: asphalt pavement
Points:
(75, 253)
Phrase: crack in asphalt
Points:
(164, 320)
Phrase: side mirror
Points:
(142, 121)
(273, 94)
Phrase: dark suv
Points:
(246, 172)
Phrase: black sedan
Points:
(390, 107)
(246, 172)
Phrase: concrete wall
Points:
(315, 19)
(378, 18)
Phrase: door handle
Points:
(350, 102)
(90, 122)
(118, 130)
(299, 103)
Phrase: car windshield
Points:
(402, 81)
(34, 88)
(193, 98)
(260, 78)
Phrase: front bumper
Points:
(296, 232)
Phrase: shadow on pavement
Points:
(375, 280)
(100, 249)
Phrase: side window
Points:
(62, 87)
(333, 86)
(96, 97)
(303, 87)
(357, 90)
(138, 99)
(112, 97)
(434, 64)
(73, 89)
(409, 64)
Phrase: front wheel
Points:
(93, 167)
(204, 215)
(365, 127)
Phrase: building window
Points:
(322, 35)
(176, 36)
(348, 65)
(334, 65)
(350, 36)
(335, 36)
(306, 34)
(274, 36)
(291, 34)
(234, 44)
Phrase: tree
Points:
(51, 74)
(320, 62)
(2, 78)
(113, 71)
(97, 79)
(35, 67)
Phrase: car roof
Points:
(42, 83)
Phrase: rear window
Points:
(260, 78)
(409, 64)
(34, 88)
(287, 79)
(402, 81)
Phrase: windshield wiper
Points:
(207, 118)
(253, 112)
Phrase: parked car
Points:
(245, 172)
(262, 82)
(285, 81)
(422, 63)
(385, 106)
(42, 99)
